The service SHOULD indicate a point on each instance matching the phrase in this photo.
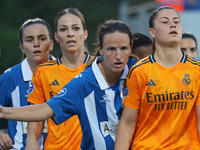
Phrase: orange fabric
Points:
(166, 98)
(176, 4)
(48, 79)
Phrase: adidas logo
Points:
(54, 83)
(151, 83)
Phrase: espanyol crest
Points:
(125, 91)
(31, 87)
(62, 92)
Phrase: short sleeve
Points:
(36, 91)
(132, 98)
(60, 115)
(67, 102)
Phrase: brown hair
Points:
(110, 26)
(153, 16)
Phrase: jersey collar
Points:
(183, 59)
(98, 75)
(26, 70)
(87, 58)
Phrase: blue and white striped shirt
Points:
(97, 105)
(14, 84)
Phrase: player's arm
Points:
(197, 111)
(31, 113)
(34, 131)
(126, 128)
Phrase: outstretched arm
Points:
(126, 128)
(31, 113)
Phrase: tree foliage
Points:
(15, 12)
(135, 2)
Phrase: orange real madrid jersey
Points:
(48, 80)
(166, 98)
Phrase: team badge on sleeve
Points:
(125, 90)
(62, 92)
(31, 87)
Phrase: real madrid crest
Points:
(186, 80)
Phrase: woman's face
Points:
(70, 33)
(188, 45)
(36, 43)
(167, 28)
(116, 50)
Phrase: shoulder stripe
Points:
(193, 60)
(51, 63)
(135, 66)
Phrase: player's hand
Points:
(5, 141)
(31, 144)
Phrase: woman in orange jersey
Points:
(162, 93)
(49, 79)
(95, 95)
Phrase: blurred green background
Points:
(14, 12)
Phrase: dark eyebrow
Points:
(41, 35)
(168, 18)
(72, 25)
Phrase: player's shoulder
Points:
(86, 74)
(84, 77)
(15, 70)
(192, 61)
(131, 62)
(51, 63)
(141, 64)
(46, 66)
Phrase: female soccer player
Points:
(36, 42)
(50, 78)
(95, 95)
(162, 93)
(189, 44)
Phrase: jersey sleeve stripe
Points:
(135, 66)
(46, 64)
(193, 61)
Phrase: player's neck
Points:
(110, 77)
(73, 60)
(168, 57)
